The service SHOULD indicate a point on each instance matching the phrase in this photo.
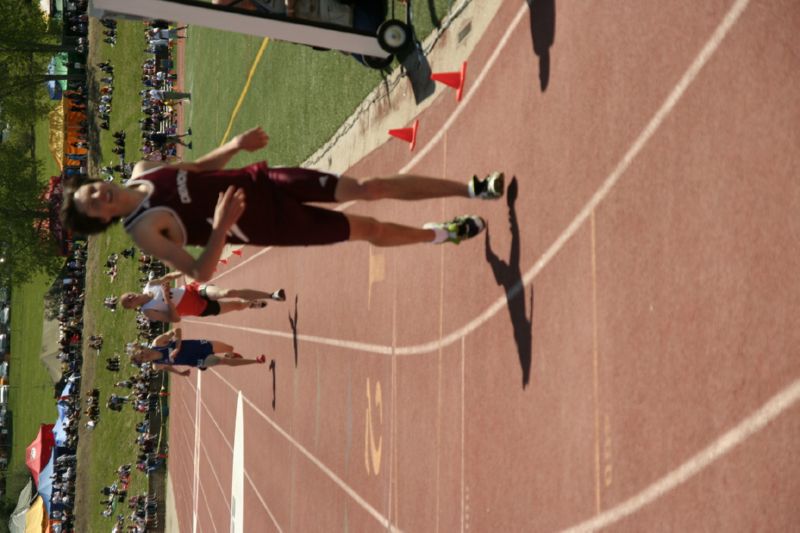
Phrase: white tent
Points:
(16, 523)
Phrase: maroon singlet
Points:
(275, 212)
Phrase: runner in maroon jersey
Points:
(167, 207)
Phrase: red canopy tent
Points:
(39, 451)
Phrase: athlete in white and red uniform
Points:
(276, 213)
(161, 302)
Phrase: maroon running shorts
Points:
(303, 224)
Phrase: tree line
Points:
(27, 43)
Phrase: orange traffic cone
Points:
(453, 79)
(409, 135)
(237, 252)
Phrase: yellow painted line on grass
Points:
(256, 61)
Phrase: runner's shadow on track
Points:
(543, 32)
(274, 371)
(293, 325)
(509, 276)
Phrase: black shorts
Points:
(212, 306)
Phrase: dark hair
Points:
(73, 218)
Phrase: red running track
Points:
(644, 278)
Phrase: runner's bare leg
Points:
(398, 187)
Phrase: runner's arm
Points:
(162, 340)
(167, 277)
(143, 166)
(153, 242)
(172, 312)
(170, 368)
(160, 316)
(250, 141)
(176, 335)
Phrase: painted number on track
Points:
(372, 452)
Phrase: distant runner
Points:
(193, 299)
(168, 351)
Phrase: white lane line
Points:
(463, 394)
(180, 470)
(188, 411)
(237, 506)
(263, 503)
(724, 444)
(351, 345)
(247, 476)
(186, 438)
(196, 457)
(216, 425)
(385, 522)
(207, 457)
(208, 509)
(189, 383)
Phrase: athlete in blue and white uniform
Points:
(169, 350)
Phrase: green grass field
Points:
(30, 398)
(31, 390)
(300, 96)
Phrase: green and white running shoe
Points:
(460, 228)
(489, 188)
